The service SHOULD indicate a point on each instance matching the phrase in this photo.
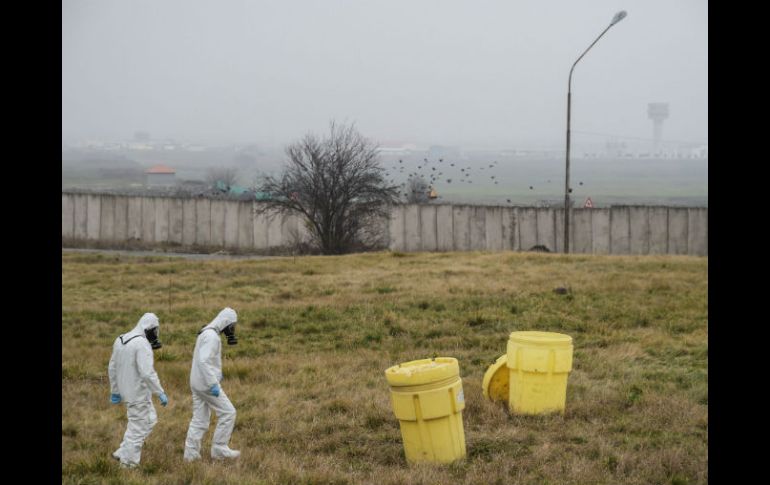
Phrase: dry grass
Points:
(317, 333)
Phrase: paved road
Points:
(171, 255)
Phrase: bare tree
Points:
(417, 190)
(226, 175)
(336, 184)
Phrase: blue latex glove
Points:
(114, 398)
(214, 390)
(163, 399)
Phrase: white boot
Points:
(222, 452)
(190, 456)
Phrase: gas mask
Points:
(229, 332)
(152, 337)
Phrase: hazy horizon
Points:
(481, 74)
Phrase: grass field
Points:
(316, 334)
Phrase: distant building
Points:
(160, 176)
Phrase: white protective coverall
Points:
(133, 376)
(206, 372)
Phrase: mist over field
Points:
(194, 85)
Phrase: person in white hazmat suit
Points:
(133, 380)
(207, 395)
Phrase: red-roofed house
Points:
(160, 175)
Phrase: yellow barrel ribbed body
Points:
(538, 366)
(427, 398)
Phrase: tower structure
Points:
(657, 112)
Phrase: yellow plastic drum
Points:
(494, 386)
(538, 366)
(427, 398)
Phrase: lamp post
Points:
(617, 18)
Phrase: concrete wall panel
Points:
(428, 231)
(203, 222)
(94, 215)
(697, 232)
(67, 215)
(162, 207)
(527, 228)
(678, 222)
(81, 216)
(231, 223)
(412, 228)
(478, 226)
(658, 220)
(107, 222)
(546, 234)
(274, 229)
(121, 218)
(509, 233)
(189, 222)
(218, 223)
(461, 226)
(175, 220)
(620, 242)
(148, 219)
(600, 237)
(639, 218)
(260, 229)
(444, 228)
(581, 231)
(245, 226)
(494, 228)
(396, 228)
(135, 218)
(558, 231)
(289, 230)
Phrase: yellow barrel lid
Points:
(547, 339)
(495, 383)
(422, 371)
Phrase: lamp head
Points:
(618, 17)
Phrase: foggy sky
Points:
(471, 73)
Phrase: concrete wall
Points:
(618, 230)
(235, 224)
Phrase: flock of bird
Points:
(433, 173)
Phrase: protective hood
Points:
(225, 318)
(148, 321)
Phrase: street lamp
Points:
(617, 18)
